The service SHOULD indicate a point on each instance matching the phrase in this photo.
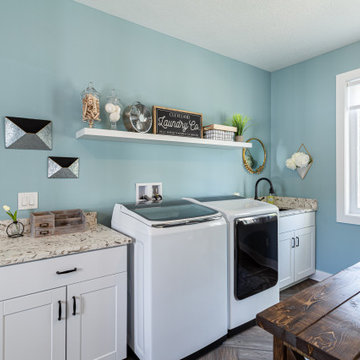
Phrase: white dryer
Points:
(252, 256)
(177, 277)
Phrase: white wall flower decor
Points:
(300, 161)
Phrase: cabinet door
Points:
(286, 258)
(96, 326)
(32, 326)
(304, 252)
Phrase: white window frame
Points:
(344, 212)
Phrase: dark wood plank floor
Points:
(254, 343)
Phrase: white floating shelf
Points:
(125, 136)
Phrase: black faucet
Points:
(256, 187)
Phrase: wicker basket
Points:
(219, 132)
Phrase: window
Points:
(348, 147)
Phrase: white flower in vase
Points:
(290, 164)
(301, 162)
(301, 159)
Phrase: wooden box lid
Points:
(220, 127)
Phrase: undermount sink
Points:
(284, 209)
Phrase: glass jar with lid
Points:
(90, 105)
(113, 108)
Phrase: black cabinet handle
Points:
(44, 225)
(66, 271)
(293, 242)
(59, 314)
(74, 305)
(297, 241)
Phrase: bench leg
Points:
(280, 350)
(293, 355)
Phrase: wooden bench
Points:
(321, 322)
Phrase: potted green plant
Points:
(240, 122)
(16, 228)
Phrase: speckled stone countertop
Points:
(294, 206)
(27, 248)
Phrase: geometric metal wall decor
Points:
(22, 133)
(63, 167)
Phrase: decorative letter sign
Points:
(176, 122)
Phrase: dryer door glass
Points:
(256, 254)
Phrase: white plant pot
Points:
(303, 171)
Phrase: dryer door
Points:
(256, 254)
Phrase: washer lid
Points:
(218, 198)
(170, 210)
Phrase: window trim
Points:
(343, 213)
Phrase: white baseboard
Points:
(320, 275)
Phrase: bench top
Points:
(322, 321)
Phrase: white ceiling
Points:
(269, 34)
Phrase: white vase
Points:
(303, 171)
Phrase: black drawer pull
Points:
(66, 271)
(74, 305)
(293, 242)
(59, 317)
(44, 232)
(44, 225)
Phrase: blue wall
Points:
(51, 49)
(49, 52)
(303, 103)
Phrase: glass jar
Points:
(90, 105)
(15, 229)
(113, 108)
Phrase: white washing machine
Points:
(177, 277)
(252, 256)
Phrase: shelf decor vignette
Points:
(174, 122)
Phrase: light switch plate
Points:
(28, 201)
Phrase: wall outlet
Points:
(28, 201)
(147, 191)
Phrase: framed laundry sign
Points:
(176, 122)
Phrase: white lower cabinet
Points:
(80, 320)
(296, 248)
(286, 259)
(304, 253)
(33, 326)
(94, 322)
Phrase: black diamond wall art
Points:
(22, 133)
(63, 167)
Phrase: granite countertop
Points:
(289, 206)
(292, 206)
(27, 248)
